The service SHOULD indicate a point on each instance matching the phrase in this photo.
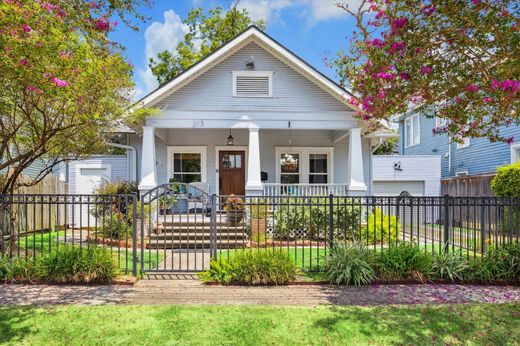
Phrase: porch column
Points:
(355, 162)
(254, 184)
(148, 160)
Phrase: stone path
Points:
(190, 291)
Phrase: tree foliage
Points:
(63, 83)
(460, 58)
(205, 33)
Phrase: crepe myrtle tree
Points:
(63, 83)
(457, 60)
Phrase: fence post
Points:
(331, 221)
(447, 221)
(213, 228)
(482, 225)
(134, 235)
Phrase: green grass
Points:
(42, 243)
(473, 324)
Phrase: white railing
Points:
(278, 189)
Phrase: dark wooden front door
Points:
(232, 174)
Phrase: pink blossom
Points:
(475, 2)
(59, 82)
(376, 43)
(494, 84)
(404, 76)
(380, 14)
(26, 28)
(398, 23)
(428, 10)
(101, 24)
(487, 99)
(23, 62)
(48, 6)
(381, 94)
(510, 140)
(34, 89)
(426, 70)
(472, 88)
(509, 85)
(417, 98)
(384, 75)
(353, 101)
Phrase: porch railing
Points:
(278, 189)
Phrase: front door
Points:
(232, 176)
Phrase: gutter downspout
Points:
(133, 172)
(370, 173)
(449, 157)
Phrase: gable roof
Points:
(255, 35)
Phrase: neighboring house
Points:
(475, 156)
(251, 118)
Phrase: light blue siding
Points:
(119, 168)
(481, 156)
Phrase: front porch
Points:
(255, 161)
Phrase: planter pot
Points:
(258, 227)
(234, 217)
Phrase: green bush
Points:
(16, 269)
(499, 263)
(404, 261)
(507, 181)
(381, 228)
(263, 267)
(450, 266)
(312, 215)
(72, 264)
(220, 271)
(349, 264)
(117, 228)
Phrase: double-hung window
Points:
(187, 164)
(304, 165)
(412, 133)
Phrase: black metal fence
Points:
(181, 228)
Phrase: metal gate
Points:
(176, 229)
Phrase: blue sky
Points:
(313, 29)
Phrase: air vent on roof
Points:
(252, 84)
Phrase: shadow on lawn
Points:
(429, 324)
(11, 330)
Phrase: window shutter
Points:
(252, 86)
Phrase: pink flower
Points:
(353, 101)
(487, 99)
(384, 75)
(380, 14)
(26, 28)
(428, 10)
(426, 70)
(59, 82)
(475, 2)
(404, 76)
(381, 94)
(509, 85)
(49, 7)
(398, 23)
(472, 88)
(23, 62)
(494, 84)
(101, 24)
(34, 89)
(510, 140)
(376, 43)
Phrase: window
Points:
(187, 164)
(252, 83)
(464, 144)
(412, 134)
(289, 168)
(318, 167)
(304, 165)
(461, 173)
(515, 152)
(440, 122)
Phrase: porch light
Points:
(230, 138)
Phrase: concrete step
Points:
(195, 236)
(197, 228)
(192, 245)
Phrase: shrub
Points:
(258, 208)
(499, 263)
(404, 261)
(117, 187)
(72, 264)
(220, 271)
(262, 267)
(116, 227)
(16, 269)
(450, 266)
(381, 228)
(507, 181)
(349, 264)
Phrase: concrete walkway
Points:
(194, 292)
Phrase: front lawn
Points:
(474, 324)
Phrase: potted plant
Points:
(234, 207)
(258, 214)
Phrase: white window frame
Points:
(514, 157)
(465, 144)
(268, 74)
(202, 150)
(407, 135)
(440, 121)
(304, 163)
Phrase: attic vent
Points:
(252, 84)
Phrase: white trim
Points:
(406, 135)
(220, 148)
(462, 173)
(304, 153)
(466, 143)
(515, 146)
(81, 166)
(202, 150)
(252, 34)
(268, 74)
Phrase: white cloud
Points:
(161, 36)
(265, 9)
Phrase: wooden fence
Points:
(34, 217)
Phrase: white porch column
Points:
(254, 184)
(148, 160)
(355, 162)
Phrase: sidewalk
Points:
(196, 293)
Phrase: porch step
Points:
(189, 244)
(196, 236)
(161, 227)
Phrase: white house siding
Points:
(269, 140)
(415, 169)
(118, 167)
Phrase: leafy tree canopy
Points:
(205, 33)
(457, 60)
(63, 83)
